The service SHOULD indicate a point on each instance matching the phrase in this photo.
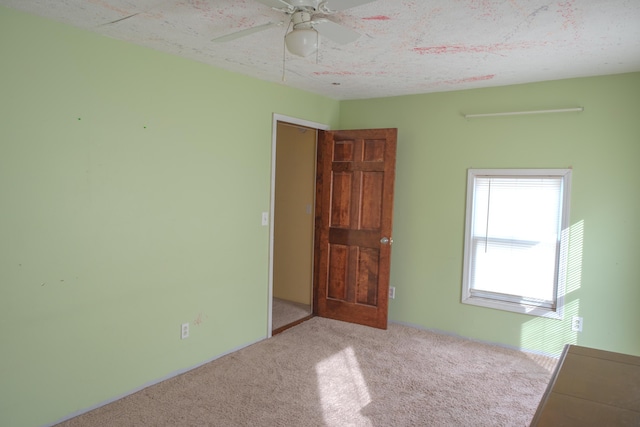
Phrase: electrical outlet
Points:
(392, 292)
(184, 331)
(576, 324)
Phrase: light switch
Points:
(265, 218)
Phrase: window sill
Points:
(515, 307)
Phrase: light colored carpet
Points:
(329, 373)
(285, 312)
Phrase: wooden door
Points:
(354, 213)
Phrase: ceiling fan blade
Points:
(276, 4)
(247, 31)
(335, 32)
(339, 5)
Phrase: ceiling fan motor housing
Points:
(301, 20)
(312, 4)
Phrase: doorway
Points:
(292, 226)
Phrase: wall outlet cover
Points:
(576, 324)
(184, 331)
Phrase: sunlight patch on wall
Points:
(552, 335)
(574, 264)
(343, 390)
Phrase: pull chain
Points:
(486, 235)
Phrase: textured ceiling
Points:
(405, 47)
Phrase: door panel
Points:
(354, 211)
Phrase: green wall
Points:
(436, 146)
(131, 186)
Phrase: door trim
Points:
(274, 139)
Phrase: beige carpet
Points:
(329, 373)
(285, 312)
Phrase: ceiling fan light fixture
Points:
(302, 42)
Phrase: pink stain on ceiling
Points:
(568, 12)
(350, 73)
(461, 81)
(485, 8)
(463, 49)
(469, 79)
(335, 73)
(108, 6)
(376, 18)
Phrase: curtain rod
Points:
(518, 113)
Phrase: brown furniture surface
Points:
(591, 388)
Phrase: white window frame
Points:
(517, 303)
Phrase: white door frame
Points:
(274, 139)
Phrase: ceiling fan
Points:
(308, 20)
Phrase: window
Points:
(515, 239)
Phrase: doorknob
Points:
(386, 241)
